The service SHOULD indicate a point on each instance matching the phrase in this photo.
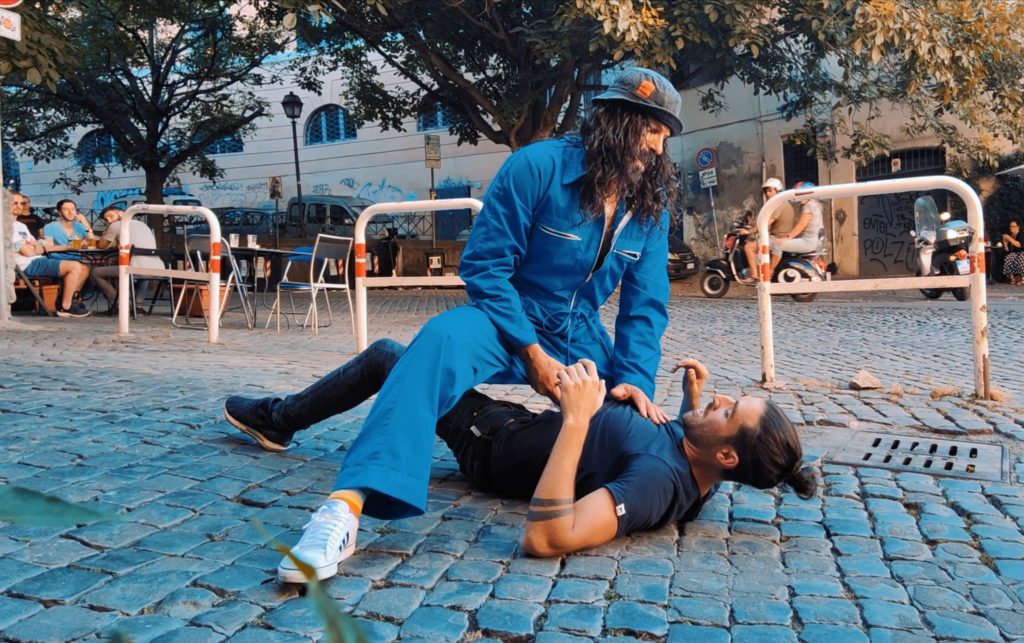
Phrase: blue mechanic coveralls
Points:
(529, 271)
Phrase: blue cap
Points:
(649, 92)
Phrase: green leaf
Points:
(28, 507)
(339, 626)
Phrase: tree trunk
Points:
(155, 177)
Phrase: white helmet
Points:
(774, 184)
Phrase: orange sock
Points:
(351, 497)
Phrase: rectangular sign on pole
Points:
(432, 150)
(10, 25)
(708, 178)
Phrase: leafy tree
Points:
(510, 71)
(515, 70)
(164, 80)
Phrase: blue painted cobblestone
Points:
(876, 555)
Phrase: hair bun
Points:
(803, 481)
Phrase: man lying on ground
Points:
(593, 471)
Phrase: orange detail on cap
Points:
(645, 89)
(360, 249)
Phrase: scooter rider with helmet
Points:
(769, 188)
(805, 235)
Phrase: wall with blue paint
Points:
(381, 166)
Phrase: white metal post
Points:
(359, 241)
(5, 305)
(976, 279)
(125, 269)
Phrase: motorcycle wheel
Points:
(792, 274)
(962, 294)
(713, 285)
(929, 293)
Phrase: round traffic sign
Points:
(706, 158)
(9, 4)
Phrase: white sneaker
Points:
(330, 538)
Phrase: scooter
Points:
(942, 245)
(720, 272)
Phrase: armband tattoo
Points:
(547, 514)
(550, 502)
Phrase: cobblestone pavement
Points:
(133, 425)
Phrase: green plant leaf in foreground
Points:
(28, 507)
(339, 626)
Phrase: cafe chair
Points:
(156, 285)
(197, 257)
(323, 271)
(35, 286)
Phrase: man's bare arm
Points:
(556, 524)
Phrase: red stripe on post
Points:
(124, 255)
(360, 249)
(215, 256)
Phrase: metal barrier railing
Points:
(363, 282)
(125, 269)
(975, 280)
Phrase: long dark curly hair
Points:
(611, 137)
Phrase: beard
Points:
(636, 168)
(699, 430)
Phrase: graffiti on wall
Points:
(886, 247)
(382, 191)
(232, 193)
(254, 192)
(106, 197)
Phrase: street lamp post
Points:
(292, 105)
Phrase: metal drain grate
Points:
(957, 458)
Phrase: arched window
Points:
(12, 171)
(329, 124)
(435, 116)
(230, 144)
(96, 148)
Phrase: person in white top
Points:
(806, 233)
(142, 238)
(30, 259)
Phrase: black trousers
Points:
(501, 447)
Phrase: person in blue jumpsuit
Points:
(564, 223)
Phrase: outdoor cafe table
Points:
(96, 256)
(272, 257)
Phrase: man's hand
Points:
(582, 392)
(635, 396)
(542, 371)
(694, 379)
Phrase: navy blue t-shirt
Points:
(641, 464)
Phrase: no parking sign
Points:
(706, 158)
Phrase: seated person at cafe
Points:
(21, 206)
(30, 258)
(68, 232)
(142, 239)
